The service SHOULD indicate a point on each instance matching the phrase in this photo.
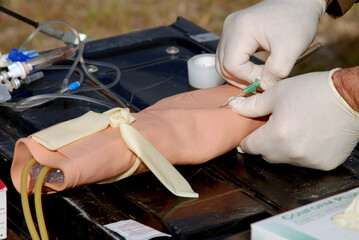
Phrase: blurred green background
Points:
(101, 19)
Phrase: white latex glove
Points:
(310, 124)
(283, 28)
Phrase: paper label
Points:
(3, 219)
(132, 230)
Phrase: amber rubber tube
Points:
(25, 201)
(38, 203)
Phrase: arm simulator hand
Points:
(310, 125)
(284, 28)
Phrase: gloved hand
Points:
(283, 28)
(310, 124)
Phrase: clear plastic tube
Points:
(77, 59)
(37, 100)
(96, 81)
(79, 47)
(104, 64)
(59, 67)
(30, 37)
(41, 99)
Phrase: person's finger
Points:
(235, 59)
(258, 105)
(255, 143)
(278, 66)
(220, 69)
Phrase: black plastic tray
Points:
(235, 189)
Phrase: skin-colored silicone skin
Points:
(187, 128)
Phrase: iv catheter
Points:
(251, 88)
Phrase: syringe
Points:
(23, 69)
(50, 57)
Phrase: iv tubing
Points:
(76, 69)
(22, 48)
(104, 64)
(29, 102)
(37, 100)
(79, 47)
(38, 202)
(25, 201)
(94, 79)
(77, 59)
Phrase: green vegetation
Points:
(100, 19)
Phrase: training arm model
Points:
(283, 28)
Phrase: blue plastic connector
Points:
(73, 86)
(17, 56)
(31, 53)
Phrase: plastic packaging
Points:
(55, 175)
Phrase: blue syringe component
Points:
(71, 87)
(18, 56)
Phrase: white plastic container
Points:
(202, 71)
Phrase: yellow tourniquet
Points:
(67, 132)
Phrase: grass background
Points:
(100, 19)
